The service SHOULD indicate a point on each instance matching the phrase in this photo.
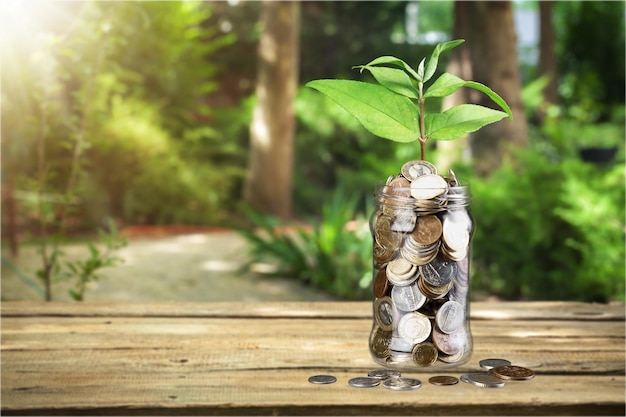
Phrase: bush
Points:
(550, 230)
(332, 254)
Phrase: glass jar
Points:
(422, 230)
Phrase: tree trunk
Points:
(547, 57)
(270, 166)
(11, 230)
(460, 64)
(493, 52)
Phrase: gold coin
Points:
(513, 372)
(382, 255)
(424, 354)
(428, 230)
(380, 342)
(399, 186)
(383, 234)
(381, 284)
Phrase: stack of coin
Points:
(422, 231)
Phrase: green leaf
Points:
(492, 95)
(420, 71)
(459, 120)
(448, 83)
(445, 85)
(434, 58)
(382, 112)
(395, 80)
(396, 62)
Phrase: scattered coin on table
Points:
(492, 363)
(364, 382)
(383, 373)
(516, 373)
(322, 379)
(483, 380)
(443, 380)
(402, 384)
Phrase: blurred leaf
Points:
(459, 120)
(381, 111)
(440, 48)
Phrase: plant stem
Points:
(422, 137)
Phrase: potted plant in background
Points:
(421, 226)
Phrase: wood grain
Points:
(255, 359)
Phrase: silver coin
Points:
(364, 382)
(399, 344)
(404, 221)
(399, 358)
(413, 169)
(493, 363)
(383, 373)
(415, 327)
(438, 272)
(452, 343)
(322, 379)
(450, 317)
(456, 230)
(428, 186)
(383, 312)
(408, 298)
(483, 380)
(402, 384)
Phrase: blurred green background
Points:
(117, 114)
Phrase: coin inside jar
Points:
(383, 312)
(414, 327)
(413, 169)
(381, 284)
(428, 230)
(380, 342)
(424, 354)
(428, 186)
(450, 317)
(399, 187)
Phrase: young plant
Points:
(394, 108)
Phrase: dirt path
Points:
(188, 267)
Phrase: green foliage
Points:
(102, 254)
(85, 271)
(334, 254)
(388, 111)
(381, 111)
(120, 119)
(591, 55)
(550, 229)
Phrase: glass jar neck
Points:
(400, 198)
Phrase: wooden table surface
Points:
(256, 358)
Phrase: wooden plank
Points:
(287, 392)
(535, 310)
(311, 328)
(255, 358)
(256, 343)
